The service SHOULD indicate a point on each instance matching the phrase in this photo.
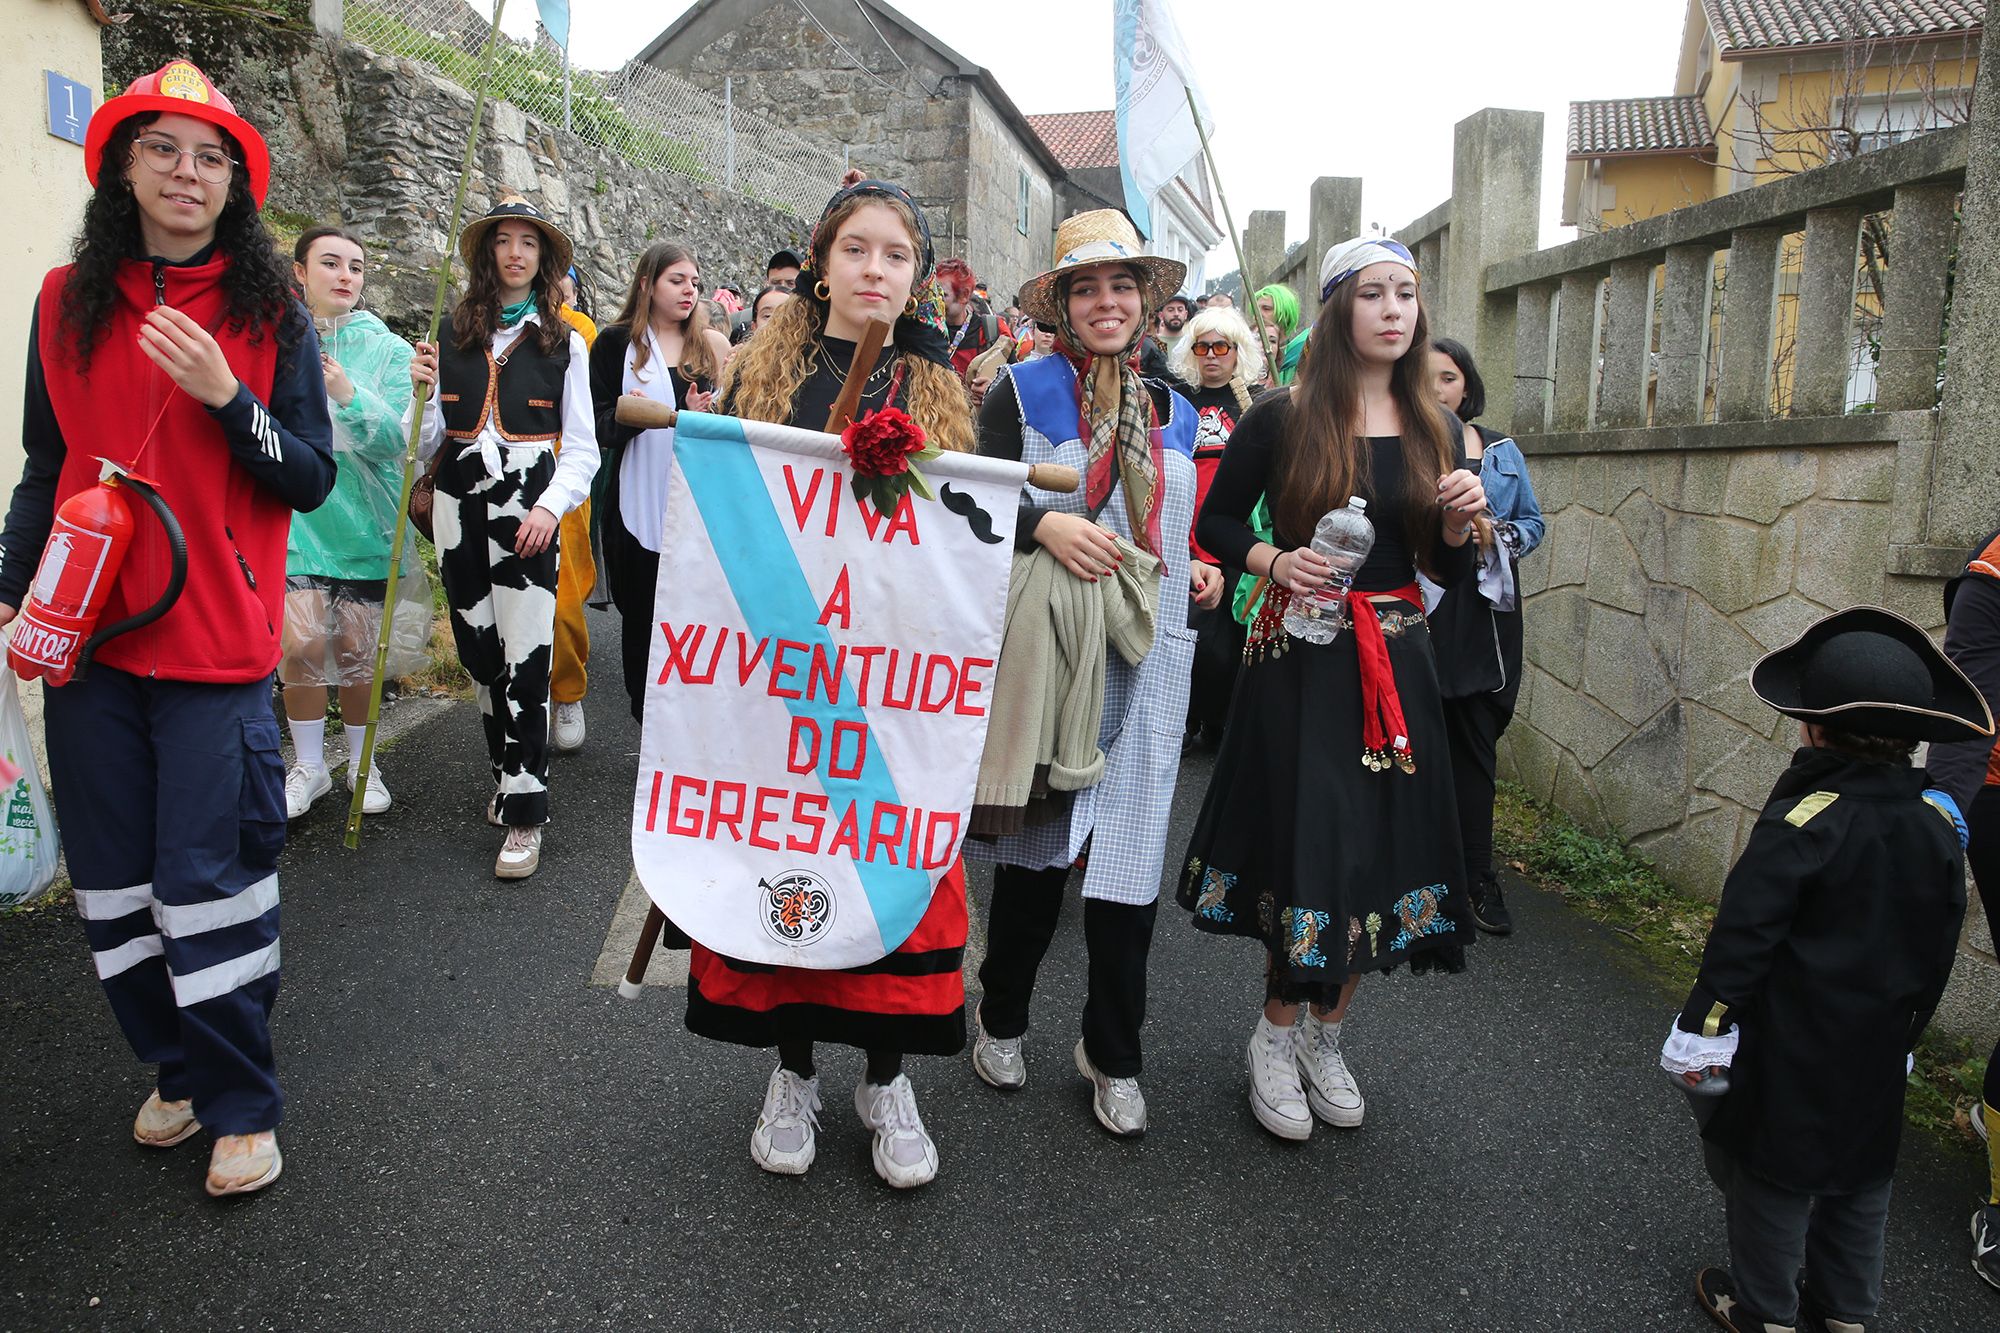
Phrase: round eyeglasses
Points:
(163, 155)
(1222, 348)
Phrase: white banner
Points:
(817, 704)
(1157, 137)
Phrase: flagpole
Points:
(416, 435)
(1235, 241)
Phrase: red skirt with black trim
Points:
(912, 1001)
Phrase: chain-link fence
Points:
(649, 117)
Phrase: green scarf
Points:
(510, 315)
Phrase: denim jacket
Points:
(1509, 494)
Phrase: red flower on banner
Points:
(881, 442)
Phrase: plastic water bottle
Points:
(1343, 538)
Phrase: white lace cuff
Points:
(1692, 1053)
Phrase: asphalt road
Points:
(479, 1138)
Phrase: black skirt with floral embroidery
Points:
(1337, 867)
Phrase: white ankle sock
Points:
(355, 735)
(309, 742)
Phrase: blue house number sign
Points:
(69, 106)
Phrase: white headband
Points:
(1348, 258)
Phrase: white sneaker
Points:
(521, 855)
(567, 733)
(998, 1060)
(1276, 1097)
(303, 786)
(904, 1155)
(376, 799)
(784, 1141)
(1117, 1102)
(1330, 1089)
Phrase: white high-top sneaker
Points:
(1330, 1088)
(1276, 1097)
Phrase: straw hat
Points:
(179, 86)
(1104, 236)
(514, 207)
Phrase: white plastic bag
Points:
(29, 851)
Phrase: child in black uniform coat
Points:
(1836, 932)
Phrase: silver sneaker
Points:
(998, 1060)
(1277, 1098)
(785, 1140)
(1118, 1103)
(904, 1155)
(1330, 1089)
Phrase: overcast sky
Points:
(1299, 88)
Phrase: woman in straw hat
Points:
(174, 347)
(1137, 503)
(513, 384)
(1329, 832)
(870, 259)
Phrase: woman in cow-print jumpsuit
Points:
(513, 382)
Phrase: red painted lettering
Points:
(653, 805)
(963, 705)
(886, 842)
(840, 602)
(691, 826)
(800, 802)
(684, 648)
(823, 677)
(935, 700)
(802, 507)
(782, 670)
(746, 667)
(938, 857)
(909, 699)
(904, 522)
(848, 835)
(858, 733)
(806, 730)
(759, 817)
(725, 810)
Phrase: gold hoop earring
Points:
(910, 308)
(822, 291)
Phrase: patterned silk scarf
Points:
(1116, 416)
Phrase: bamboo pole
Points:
(416, 435)
(1236, 243)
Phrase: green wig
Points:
(1284, 309)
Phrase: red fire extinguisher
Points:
(53, 635)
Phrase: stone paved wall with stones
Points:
(375, 142)
(908, 118)
(1663, 577)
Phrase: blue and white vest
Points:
(1124, 816)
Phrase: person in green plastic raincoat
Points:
(337, 561)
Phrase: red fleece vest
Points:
(222, 629)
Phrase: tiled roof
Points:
(1775, 25)
(1638, 125)
(1080, 139)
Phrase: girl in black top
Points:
(1328, 831)
(676, 358)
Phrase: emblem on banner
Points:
(797, 907)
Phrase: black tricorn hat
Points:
(1870, 672)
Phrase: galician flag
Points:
(1156, 135)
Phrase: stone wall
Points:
(374, 142)
(912, 116)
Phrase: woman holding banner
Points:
(1137, 501)
(870, 258)
(512, 382)
(1329, 831)
(659, 347)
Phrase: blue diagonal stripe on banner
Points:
(771, 590)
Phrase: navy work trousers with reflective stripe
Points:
(171, 800)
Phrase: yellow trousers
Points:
(575, 575)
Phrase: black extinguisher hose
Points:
(176, 580)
